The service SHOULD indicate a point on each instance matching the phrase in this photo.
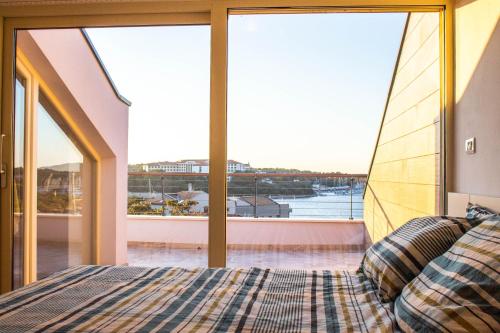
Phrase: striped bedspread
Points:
(137, 299)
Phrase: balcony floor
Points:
(301, 258)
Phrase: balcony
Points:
(309, 221)
(264, 242)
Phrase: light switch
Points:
(470, 145)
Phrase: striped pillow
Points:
(476, 214)
(458, 291)
(395, 260)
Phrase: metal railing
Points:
(280, 195)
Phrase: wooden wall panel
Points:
(404, 178)
(421, 142)
(423, 85)
(412, 119)
(420, 170)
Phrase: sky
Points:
(305, 91)
(54, 146)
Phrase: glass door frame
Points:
(11, 26)
(31, 92)
(34, 87)
(218, 121)
(215, 13)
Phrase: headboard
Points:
(457, 203)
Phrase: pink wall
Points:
(247, 231)
(59, 227)
(67, 64)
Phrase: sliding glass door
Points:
(304, 98)
(52, 187)
(168, 162)
(50, 209)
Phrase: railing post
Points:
(162, 197)
(255, 198)
(352, 181)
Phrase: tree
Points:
(138, 206)
(181, 208)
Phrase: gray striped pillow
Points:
(395, 260)
(476, 213)
(458, 291)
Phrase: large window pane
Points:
(165, 72)
(18, 185)
(305, 96)
(64, 191)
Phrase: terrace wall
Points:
(181, 231)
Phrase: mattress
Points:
(172, 299)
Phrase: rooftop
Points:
(261, 200)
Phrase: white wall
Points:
(477, 108)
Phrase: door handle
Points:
(3, 166)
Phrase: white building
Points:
(195, 166)
(192, 166)
(235, 166)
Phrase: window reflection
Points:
(64, 181)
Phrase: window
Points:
(252, 114)
(64, 196)
(168, 193)
(305, 95)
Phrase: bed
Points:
(433, 274)
(135, 299)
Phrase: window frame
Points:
(31, 92)
(22, 74)
(215, 13)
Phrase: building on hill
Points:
(235, 166)
(192, 166)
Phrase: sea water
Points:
(326, 206)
